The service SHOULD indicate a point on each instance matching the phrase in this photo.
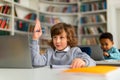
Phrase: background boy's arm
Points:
(114, 54)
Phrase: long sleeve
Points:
(58, 57)
(79, 54)
(114, 53)
(37, 59)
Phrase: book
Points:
(95, 73)
(3, 23)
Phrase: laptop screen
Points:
(15, 52)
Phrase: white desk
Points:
(43, 73)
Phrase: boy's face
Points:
(60, 41)
(106, 44)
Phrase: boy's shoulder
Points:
(75, 48)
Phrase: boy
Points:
(63, 50)
(110, 52)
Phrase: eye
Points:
(62, 37)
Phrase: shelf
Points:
(61, 14)
(5, 29)
(22, 32)
(93, 20)
(91, 24)
(92, 1)
(59, 3)
(5, 15)
(94, 12)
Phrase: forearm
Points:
(37, 59)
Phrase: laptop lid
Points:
(15, 52)
(96, 52)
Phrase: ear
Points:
(112, 42)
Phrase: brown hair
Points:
(70, 31)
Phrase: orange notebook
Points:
(94, 69)
(93, 73)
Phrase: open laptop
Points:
(96, 52)
(15, 52)
(97, 55)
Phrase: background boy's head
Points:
(59, 29)
(106, 41)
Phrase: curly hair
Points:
(106, 35)
(70, 31)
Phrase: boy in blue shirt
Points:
(109, 52)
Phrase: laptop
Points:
(15, 52)
(96, 52)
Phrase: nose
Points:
(58, 40)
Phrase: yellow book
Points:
(94, 73)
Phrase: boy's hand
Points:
(106, 54)
(77, 63)
(37, 30)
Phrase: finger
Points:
(74, 64)
(37, 25)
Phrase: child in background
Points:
(110, 52)
(63, 50)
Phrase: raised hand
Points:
(37, 30)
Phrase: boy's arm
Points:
(88, 60)
(114, 54)
(37, 59)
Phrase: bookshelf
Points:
(88, 20)
(17, 16)
(92, 21)
(54, 11)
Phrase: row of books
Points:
(5, 9)
(90, 41)
(93, 6)
(63, 0)
(17, 1)
(93, 18)
(4, 33)
(63, 9)
(30, 16)
(4, 22)
(50, 19)
(93, 30)
(24, 26)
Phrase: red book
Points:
(3, 23)
(28, 16)
(0, 21)
(6, 9)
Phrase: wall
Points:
(114, 20)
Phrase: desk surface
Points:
(44, 73)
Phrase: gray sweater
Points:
(58, 57)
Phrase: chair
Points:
(85, 49)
